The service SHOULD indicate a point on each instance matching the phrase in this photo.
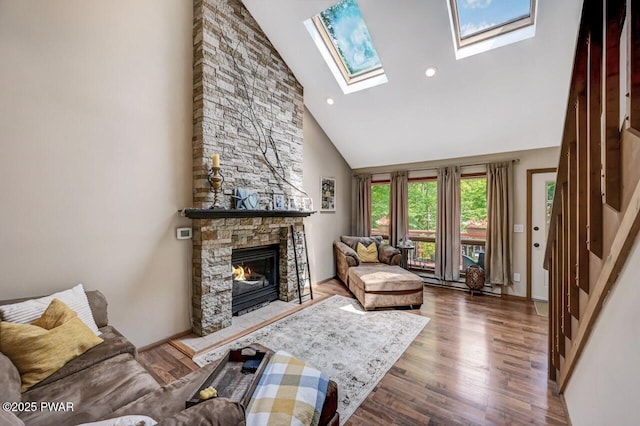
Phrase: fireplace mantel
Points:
(240, 213)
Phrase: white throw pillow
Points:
(30, 310)
(132, 420)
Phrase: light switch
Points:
(518, 228)
(516, 277)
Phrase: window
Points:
(423, 217)
(343, 39)
(380, 198)
(551, 189)
(473, 220)
(482, 25)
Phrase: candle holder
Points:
(215, 179)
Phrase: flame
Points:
(239, 273)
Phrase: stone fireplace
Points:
(236, 69)
(212, 263)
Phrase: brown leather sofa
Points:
(107, 382)
(376, 285)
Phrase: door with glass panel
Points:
(540, 205)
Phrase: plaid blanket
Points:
(288, 393)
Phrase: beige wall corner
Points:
(321, 158)
(95, 155)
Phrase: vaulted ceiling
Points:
(508, 99)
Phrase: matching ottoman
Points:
(382, 286)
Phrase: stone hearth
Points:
(213, 242)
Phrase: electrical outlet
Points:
(518, 228)
(516, 277)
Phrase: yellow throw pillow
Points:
(57, 313)
(38, 353)
(368, 254)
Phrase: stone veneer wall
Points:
(219, 96)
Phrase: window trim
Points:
(422, 179)
(337, 59)
(471, 241)
(381, 182)
(493, 37)
(476, 175)
(347, 82)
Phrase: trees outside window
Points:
(473, 220)
(423, 218)
(380, 198)
(423, 215)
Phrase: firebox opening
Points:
(255, 277)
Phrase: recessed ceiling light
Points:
(330, 101)
(431, 71)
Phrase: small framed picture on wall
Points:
(327, 194)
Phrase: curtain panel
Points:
(399, 207)
(363, 206)
(448, 224)
(499, 223)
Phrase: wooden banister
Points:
(612, 164)
(594, 119)
(588, 243)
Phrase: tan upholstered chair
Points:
(376, 285)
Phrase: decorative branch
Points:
(249, 118)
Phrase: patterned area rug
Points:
(353, 347)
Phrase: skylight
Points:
(481, 25)
(343, 39)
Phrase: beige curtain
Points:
(399, 207)
(363, 206)
(448, 226)
(499, 223)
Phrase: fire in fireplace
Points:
(255, 277)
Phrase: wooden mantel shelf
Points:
(240, 213)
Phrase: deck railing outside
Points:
(423, 257)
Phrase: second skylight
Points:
(481, 25)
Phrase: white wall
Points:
(95, 155)
(603, 389)
(322, 159)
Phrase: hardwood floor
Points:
(480, 360)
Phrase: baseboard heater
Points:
(459, 285)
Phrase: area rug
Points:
(542, 308)
(355, 348)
